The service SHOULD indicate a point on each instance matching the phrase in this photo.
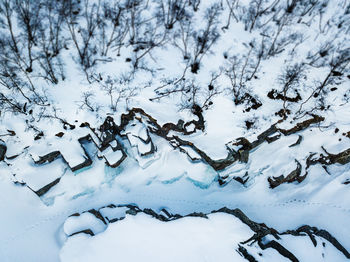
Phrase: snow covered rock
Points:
(194, 236)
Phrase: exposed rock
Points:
(347, 134)
(252, 102)
(85, 124)
(11, 132)
(283, 113)
(39, 136)
(197, 214)
(98, 215)
(85, 231)
(150, 212)
(271, 139)
(303, 125)
(300, 138)
(243, 179)
(133, 210)
(279, 248)
(113, 156)
(46, 188)
(340, 158)
(3, 149)
(19, 183)
(249, 124)
(275, 95)
(243, 251)
(107, 133)
(295, 175)
(310, 231)
(60, 134)
(67, 125)
(346, 182)
(48, 158)
(86, 163)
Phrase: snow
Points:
(112, 156)
(85, 221)
(113, 212)
(188, 239)
(37, 177)
(38, 228)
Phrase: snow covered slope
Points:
(171, 130)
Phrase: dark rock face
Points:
(3, 150)
(46, 188)
(48, 158)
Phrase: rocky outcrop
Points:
(3, 150)
(314, 231)
(48, 158)
(107, 139)
(302, 125)
(295, 175)
(328, 159)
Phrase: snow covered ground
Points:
(144, 155)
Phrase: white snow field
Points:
(174, 130)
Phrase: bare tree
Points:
(232, 6)
(255, 11)
(51, 41)
(82, 28)
(339, 65)
(28, 18)
(171, 11)
(195, 4)
(195, 44)
(290, 79)
(205, 38)
(87, 103)
(112, 28)
(119, 89)
(242, 69)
